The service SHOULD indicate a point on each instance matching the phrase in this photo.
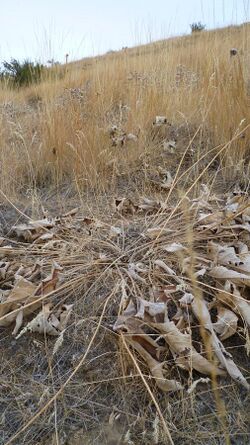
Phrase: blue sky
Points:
(42, 29)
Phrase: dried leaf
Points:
(133, 274)
(175, 247)
(192, 388)
(21, 294)
(181, 344)
(226, 325)
(155, 368)
(201, 312)
(33, 229)
(125, 206)
(49, 283)
(225, 255)
(151, 308)
(165, 267)
(223, 273)
(150, 205)
(49, 321)
(231, 296)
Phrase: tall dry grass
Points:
(49, 135)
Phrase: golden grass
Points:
(48, 135)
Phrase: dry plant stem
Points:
(196, 181)
(59, 392)
(165, 427)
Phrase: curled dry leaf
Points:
(155, 367)
(125, 206)
(150, 205)
(24, 292)
(175, 247)
(192, 388)
(223, 273)
(226, 324)
(49, 283)
(186, 355)
(231, 297)
(165, 267)
(132, 272)
(33, 229)
(49, 321)
(201, 312)
(151, 308)
(227, 256)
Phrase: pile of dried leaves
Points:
(182, 276)
(201, 282)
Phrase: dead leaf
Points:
(226, 324)
(125, 206)
(181, 344)
(231, 297)
(226, 255)
(201, 312)
(156, 368)
(49, 321)
(150, 205)
(175, 247)
(223, 273)
(33, 229)
(21, 294)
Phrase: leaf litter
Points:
(169, 284)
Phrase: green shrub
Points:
(22, 73)
(197, 27)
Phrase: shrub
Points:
(23, 73)
(197, 27)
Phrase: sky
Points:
(45, 29)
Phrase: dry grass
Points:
(55, 141)
(49, 135)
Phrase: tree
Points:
(23, 73)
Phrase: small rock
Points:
(233, 52)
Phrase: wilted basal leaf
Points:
(174, 247)
(125, 206)
(21, 294)
(150, 205)
(33, 229)
(155, 368)
(223, 273)
(151, 308)
(181, 344)
(49, 283)
(201, 312)
(225, 255)
(226, 324)
(232, 298)
(49, 321)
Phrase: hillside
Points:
(125, 247)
